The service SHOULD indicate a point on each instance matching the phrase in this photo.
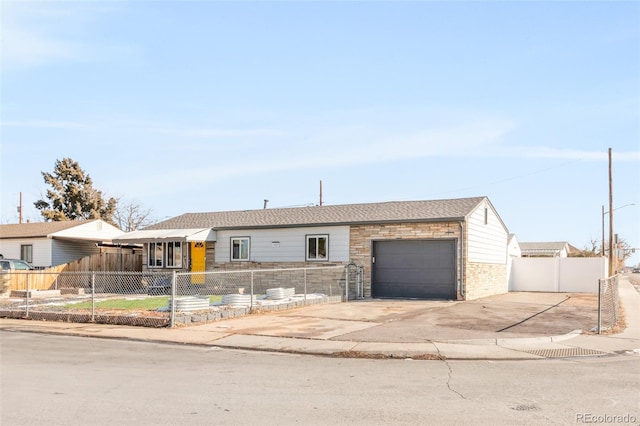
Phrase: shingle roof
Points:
(346, 214)
(37, 229)
(533, 248)
(554, 245)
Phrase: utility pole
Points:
(602, 252)
(611, 253)
(20, 209)
(321, 193)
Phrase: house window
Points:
(486, 216)
(240, 248)
(174, 254)
(26, 253)
(155, 255)
(317, 247)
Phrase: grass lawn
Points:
(146, 304)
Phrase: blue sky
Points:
(208, 106)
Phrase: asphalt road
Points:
(62, 380)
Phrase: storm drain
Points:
(565, 352)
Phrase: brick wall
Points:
(485, 279)
(361, 237)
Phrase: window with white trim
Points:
(174, 254)
(26, 253)
(240, 248)
(155, 255)
(317, 247)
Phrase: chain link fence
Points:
(168, 299)
(608, 303)
(237, 293)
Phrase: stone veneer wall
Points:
(485, 279)
(210, 256)
(325, 281)
(240, 266)
(361, 237)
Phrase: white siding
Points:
(10, 249)
(41, 250)
(486, 243)
(284, 244)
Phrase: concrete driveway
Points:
(512, 315)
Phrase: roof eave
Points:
(351, 223)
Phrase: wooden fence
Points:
(47, 279)
(104, 262)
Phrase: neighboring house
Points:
(546, 249)
(513, 252)
(45, 244)
(513, 246)
(440, 249)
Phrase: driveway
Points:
(511, 315)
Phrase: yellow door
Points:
(198, 261)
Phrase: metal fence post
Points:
(27, 296)
(173, 300)
(251, 300)
(93, 296)
(599, 305)
(616, 300)
(346, 286)
(305, 285)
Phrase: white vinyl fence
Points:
(557, 274)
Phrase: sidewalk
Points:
(516, 326)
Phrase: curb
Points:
(471, 350)
(517, 340)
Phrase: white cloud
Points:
(563, 154)
(203, 132)
(45, 124)
(23, 48)
(31, 34)
(335, 147)
(351, 146)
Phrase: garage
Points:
(414, 269)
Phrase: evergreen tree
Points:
(72, 195)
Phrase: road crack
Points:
(449, 377)
(449, 374)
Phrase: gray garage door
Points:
(421, 269)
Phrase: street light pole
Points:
(603, 251)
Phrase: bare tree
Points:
(130, 216)
(623, 250)
(591, 249)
